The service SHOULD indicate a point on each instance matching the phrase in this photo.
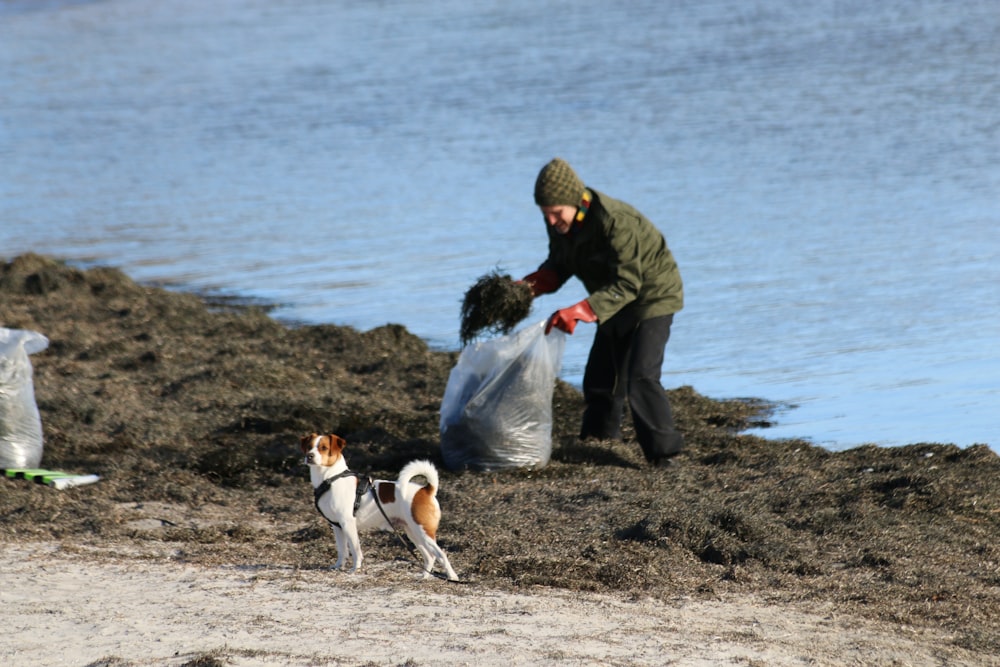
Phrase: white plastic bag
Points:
(20, 424)
(497, 408)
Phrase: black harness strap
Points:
(364, 485)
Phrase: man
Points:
(634, 288)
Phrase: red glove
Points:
(566, 319)
(542, 281)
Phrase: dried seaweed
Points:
(193, 415)
(494, 304)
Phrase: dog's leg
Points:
(428, 559)
(430, 550)
(353, 544)
(443, 559)
(338, 535)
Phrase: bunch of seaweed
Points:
(494, 304)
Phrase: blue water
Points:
(827, 174)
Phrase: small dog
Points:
(345, 500)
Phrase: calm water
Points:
(826, 173)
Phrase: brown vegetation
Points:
(495, 304)
(194, 409)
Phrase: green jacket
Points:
(621, 259)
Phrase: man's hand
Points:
(566, 319)
(542, 281)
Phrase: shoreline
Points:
(224, 301)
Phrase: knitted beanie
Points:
(558, 185)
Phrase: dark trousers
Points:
(627, 363)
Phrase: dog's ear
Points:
(305, 442)
(337, 442)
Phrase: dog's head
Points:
(322, 450)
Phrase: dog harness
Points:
(364, 486)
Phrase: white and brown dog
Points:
(348, 504)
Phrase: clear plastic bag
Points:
(497, 408)
(20, 424)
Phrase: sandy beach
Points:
(61, 608)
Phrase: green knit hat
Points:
(558, 185)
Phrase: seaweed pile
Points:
(495, 304)
(191, 413)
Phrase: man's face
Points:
(560, 218)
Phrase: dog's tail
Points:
(423, 469)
